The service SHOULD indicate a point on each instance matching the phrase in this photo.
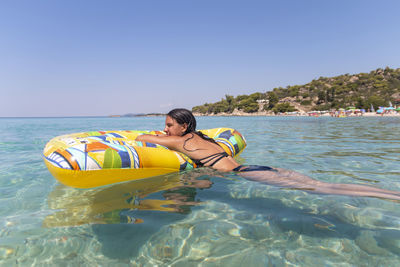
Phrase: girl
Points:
(181, 135)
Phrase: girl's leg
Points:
(292, 179)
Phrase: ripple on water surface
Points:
(230, 221)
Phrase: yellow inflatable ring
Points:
(93, 159)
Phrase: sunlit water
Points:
(203, 218)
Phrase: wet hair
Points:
(182, 116)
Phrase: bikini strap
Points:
(217, 157)
(222, 155)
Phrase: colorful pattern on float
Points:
(92, 159)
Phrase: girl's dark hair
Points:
(182, 116)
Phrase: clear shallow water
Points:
(200, 218)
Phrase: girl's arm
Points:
(172, 142)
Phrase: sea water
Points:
(202, 217)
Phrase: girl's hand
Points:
(140, 137)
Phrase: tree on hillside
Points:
(230, 99)
(272, 99)
(376, 101)
(248, 105)
(283, 107)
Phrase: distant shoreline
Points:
(50, 117)
(239, 114)
(137, 115)
(264, 114)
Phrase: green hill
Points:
(377, 88)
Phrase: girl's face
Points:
(173, 128)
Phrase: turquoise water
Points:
(200, 217)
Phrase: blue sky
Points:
(90, 58)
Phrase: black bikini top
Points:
(216, 157)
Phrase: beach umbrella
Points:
(351, 108)
(380, 110)
(398, 109)
(389, 108)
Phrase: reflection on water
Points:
(112, 204)
(124, 216)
